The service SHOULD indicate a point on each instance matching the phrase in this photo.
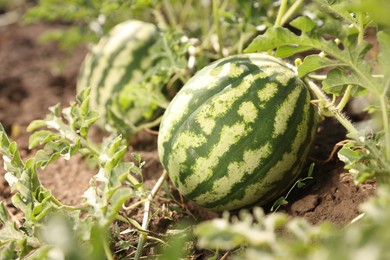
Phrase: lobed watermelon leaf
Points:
(337, 81)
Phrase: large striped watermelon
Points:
(115, 70)
(238, 132)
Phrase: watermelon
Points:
(115, 69)
(238, 133)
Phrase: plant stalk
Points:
(282, 10)
(170, 14)
(332, 109)
(360, 29)
(291, 11)
(345, 99)
(386, 127)
(107, 250)
(217, 26)
(146, 219)
(154, 123)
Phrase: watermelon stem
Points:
(217, 27)
(146, 218)
(291, 11)
(149, 125)
(333, 111)
(282, 10)
(170, 14)
(345, 98)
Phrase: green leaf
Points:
(303, 23)
(384, 55)
(117, 201)
(377, 10)
(219, 234)
(3, 213)
(316, 62)
(337, 9)
(14, 163)
(290, 43)
(41, 210)
(337, 81)
(42, 252)
(83, 95)
(43, 158)
(282, 37)
(119, 173)
(349, 155)
(8, 251)
(9, 233)
(42, 137)
(364, 159)
(4, 142)
(279, 202)
(36, 124)
(290, 50)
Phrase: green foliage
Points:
(254, 235)
(232, 22)
(364, 159)
(91, 19)
(300, 183)
(49, 226)
(342, 56)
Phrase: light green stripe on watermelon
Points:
(284, 113)
(267, 92)
(185, 140)
(221, 104)
(248, 111)
(229, 135)
(252, 130)
(114, 65)
(235, 173)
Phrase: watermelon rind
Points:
(238, 133)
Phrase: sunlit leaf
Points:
(118, 199)
(316, 62)
(41, 137)
(337, 81)
(3, 213)
(36, 124)
(377, 9)
(282, 37)
(336, 8)
(303, 23)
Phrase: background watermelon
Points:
(116, 70)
